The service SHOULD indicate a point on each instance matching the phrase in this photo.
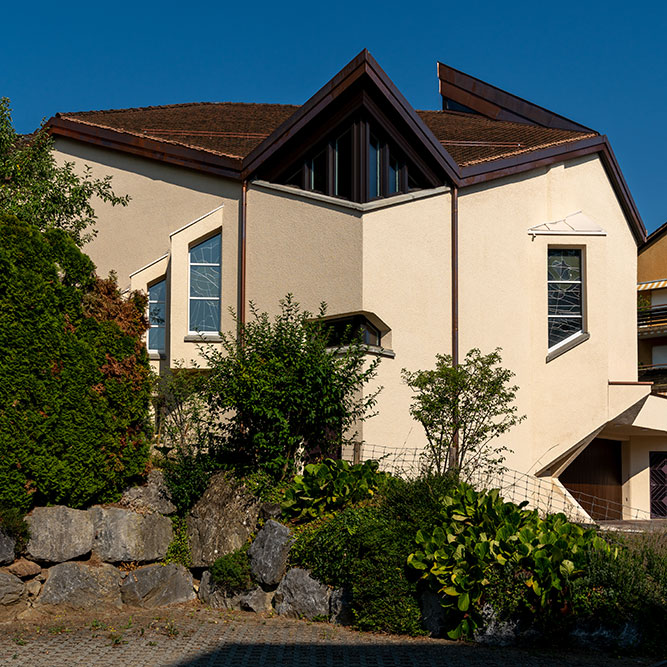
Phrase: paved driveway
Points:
(194, 636)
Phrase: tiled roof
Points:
(226, 128)
(471, 139)
(234, 129)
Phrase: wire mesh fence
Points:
(547, 495)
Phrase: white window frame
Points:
(191, 247)
(163, 279)
(582, 282)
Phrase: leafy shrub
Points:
(232, 571)
(280, 394)
(330, 485)
(478, 533)
(74, 380)
(629, 588)
(179, 549)
(363, 550)
(15, 526)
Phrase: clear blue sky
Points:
(603, 64)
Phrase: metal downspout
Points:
(454, 455)
(240, 306)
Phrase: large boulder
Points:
(7, 545)
(82, 586)
(340, 607)
(301, 596)
(153, 496)
(11, 589)
(157, 586)
(221, 522)
(217, 597)
(257, 600)
(124, 535)
(59, 533)
(268, 553)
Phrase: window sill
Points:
(203, 338)
(157, 356)
(567, 346)
(369, 349)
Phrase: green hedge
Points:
(74, 379)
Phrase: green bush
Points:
(15, 526)
(364, 551)
(281, 395)
(478, 533)
(232, 571)
(74, 380)
(630, 588)
(179, 549)
(330, 485)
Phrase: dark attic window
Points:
(342, 331)
(358, 162)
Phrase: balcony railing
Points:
(651, 317)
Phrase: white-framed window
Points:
(205, 287)
(565, 294)
(157, 315)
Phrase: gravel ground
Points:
(196, 636)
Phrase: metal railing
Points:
(650, 317)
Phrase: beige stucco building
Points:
(489, 223)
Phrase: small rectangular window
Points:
(343, 166)
(205, 270)
(157, 315)
(565, 294)
(394, 175)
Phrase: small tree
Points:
(35, 189)
(462, 409)
(280, 392)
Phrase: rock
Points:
(24, 569)
(214, 596)
(124, 535)
(268, 553)
(81, 586)
(59, 533)
(256, 600)
(433, 615)
(33, 587)
(153, 496)
(11, 589)
(7, 545)
(300, 596)
(494, 632)
(157, 586)
(340, 611)
(270, 511)
(221, 522)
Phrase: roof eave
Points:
(183, 156)
(492, 170)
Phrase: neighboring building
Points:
(652, 309)
(492, 222)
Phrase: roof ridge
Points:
(174, 106)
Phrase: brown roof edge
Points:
(362, 64)
(182, 156)
(489, 171)
(496, 103)
(654, 236)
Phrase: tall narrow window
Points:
(157, 316)
(374, 184)
(394, 184)
(565, 294)
(205, 265)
